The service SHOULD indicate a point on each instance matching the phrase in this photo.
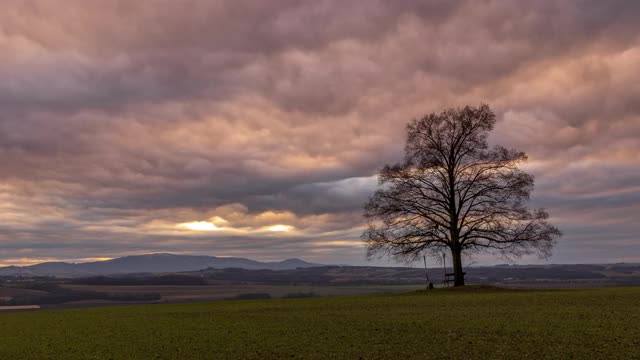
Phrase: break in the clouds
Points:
(255, 128)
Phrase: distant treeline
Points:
(535, 273)
(251, 296)
(171, 279)
(265, 296)
(355, 275)
(54, 294)
(616, 274)
(300, 276)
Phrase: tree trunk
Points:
(458, 278)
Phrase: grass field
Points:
(469, 324)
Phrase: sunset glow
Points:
(279, 228)
(199, 226)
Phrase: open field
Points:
(8, 292)
(173, 293)
(558, 324)
(63, 295)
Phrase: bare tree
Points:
(452, 192)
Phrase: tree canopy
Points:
(453, 192)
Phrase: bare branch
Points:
(453, 192)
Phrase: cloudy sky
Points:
(255, 128)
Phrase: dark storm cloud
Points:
(120, 120)
(112, 55)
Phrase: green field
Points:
(469, 324)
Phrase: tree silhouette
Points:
(452, 192)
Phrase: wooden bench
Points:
(450, 277)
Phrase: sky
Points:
(255, 128)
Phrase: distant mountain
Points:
(150, 263)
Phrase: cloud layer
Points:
(119, 121)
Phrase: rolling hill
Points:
(149, 263)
